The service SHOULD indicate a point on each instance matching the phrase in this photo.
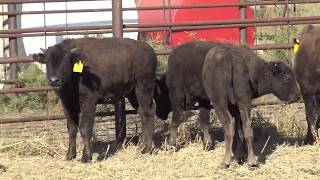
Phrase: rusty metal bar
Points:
(61, 117)
(57, 33)
(174, 29)
(232, 23)
(154, 8)
(222, 22)
(117, 21)
(56, 11)
(5, 81)
(35, 1)
(272, 46)
(54, 29)
(13, 45)
(21, 59)
(159, 52)
(242, 25)
(27, 89)
(120, 104)
(56, 117)
(251, 3)
(243, 30)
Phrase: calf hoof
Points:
(171, 148)
(145, 149)
(241, 160)
(224, 165)
(172, 141)
(253, 162)
(310, 139)
(86, 158)
(70, 156)
(208, 146)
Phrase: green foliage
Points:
(30, 76)
(276, 34)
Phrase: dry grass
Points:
(42, 157)
(287, 162)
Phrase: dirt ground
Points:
(278, 144)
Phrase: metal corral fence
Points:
(10, 14)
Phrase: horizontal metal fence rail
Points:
(54, 117)
(249, 3)
(7, 81)
(174, 29)
(26, 89)
(36, 1)
(249, 22)
(101, 114)
(28, 59)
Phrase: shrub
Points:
(29, 76)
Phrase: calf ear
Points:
(74, 50)
(38, 58)
(74, 54)
(43, 50)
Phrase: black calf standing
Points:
(307, 71)
(232, 76)
(112, 68)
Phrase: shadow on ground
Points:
(266, 139)
(3, 168)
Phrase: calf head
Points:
(161, 97)
(59, 63)
(283, 82)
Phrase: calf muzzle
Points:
(55, 82)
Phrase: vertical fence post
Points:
(120, 106)
(117, 21)
(243, 15)
(13, 46)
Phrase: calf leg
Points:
(204, 118)
(238, 140)
(87, 108)
(72, 125)
(317, 126)
(248, 133)
(177, 109)
(311, 114)
(146, 110)
(120, 120)
(221, 107)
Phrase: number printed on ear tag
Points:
(78, 67)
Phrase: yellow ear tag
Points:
(78, 67)
(295, 46)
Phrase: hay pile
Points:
(286, 162)
(278, 145)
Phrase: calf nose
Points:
(54, 81)
(294, 98)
